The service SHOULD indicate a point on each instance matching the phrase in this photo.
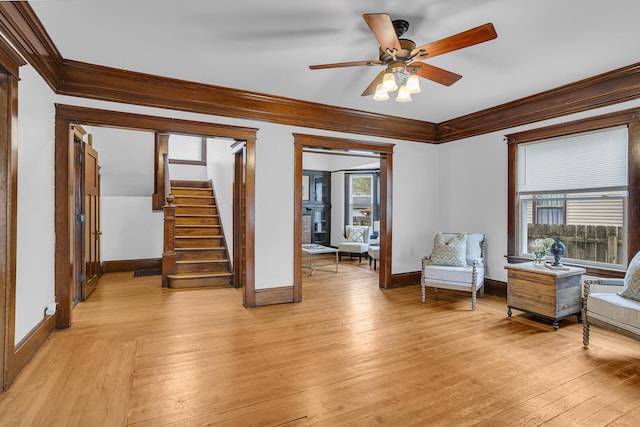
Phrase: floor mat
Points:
(149, 272)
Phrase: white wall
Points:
(130, 229)
(36, 238)
(424, 201)
(473, 186)
(415, 203)
(220, 172)
(473, 194)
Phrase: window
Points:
(362, 198)
(575, 187)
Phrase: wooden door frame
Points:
(66, 116)
(302, 141)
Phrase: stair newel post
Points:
(169, 252)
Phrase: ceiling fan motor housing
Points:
(407, 46)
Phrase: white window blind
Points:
(587, 161)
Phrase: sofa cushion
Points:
(631, 288)
(452, 252)
(615, 309)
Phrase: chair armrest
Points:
(614, 284)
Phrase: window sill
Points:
(591, 271)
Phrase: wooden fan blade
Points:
(382, 27)
(371, 89)
(435, 74)
(345, 64)
(467, 38)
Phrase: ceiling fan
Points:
(402, 59)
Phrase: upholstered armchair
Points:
(613, 303)
(457, 263)
(357, 241)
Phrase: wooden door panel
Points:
(92, 215)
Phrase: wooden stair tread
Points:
(203, 261)
(199, 237)
(198, 275)
(198, 225)
(208, 248)
(197, 215)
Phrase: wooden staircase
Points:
(201, 256)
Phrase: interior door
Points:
(92, 220)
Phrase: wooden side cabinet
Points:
(539, 290)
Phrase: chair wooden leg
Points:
(481, 292)
(473, 300)
(423, 293)
(585, 333)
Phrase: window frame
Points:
(375, 194)
(629, 118)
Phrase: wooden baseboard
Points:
(29, 346)
(495, 288)
(404, 279)
(131, 265)
(282, 295)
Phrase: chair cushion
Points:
(631, 288)
(374, 252)
(459, 276)
(353, 247)
(474, 247)
(452, 252)
(615, 309)
(356, 234)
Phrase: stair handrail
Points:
(167, 181)
(169, 251)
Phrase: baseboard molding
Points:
(404, 279)
(495, 288)
(282, 295)
(131, 265)
(29, 346)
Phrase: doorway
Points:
(385, 152)
(66, 116)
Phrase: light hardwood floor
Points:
(349, 354)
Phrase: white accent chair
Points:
(466, 275)
(613, 303)
(357, 242)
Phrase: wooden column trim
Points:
(161, 147)
(633, 211)
(249, 225)
(297, 220)
(8, 221)
(63, 224)
(385, 280)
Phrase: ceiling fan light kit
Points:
(403, 94)
(389, 82)
(400, 57)
(381, 94)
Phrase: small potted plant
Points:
(540, 249)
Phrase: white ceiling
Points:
(267, 46)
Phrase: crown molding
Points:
(598, 91)
(21, 26)
(110, 84)
(67, 77)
